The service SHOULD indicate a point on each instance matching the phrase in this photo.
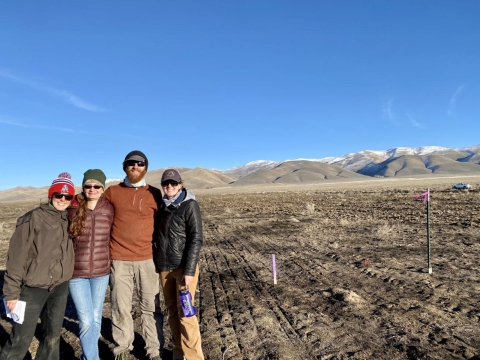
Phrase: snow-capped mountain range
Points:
(367, 161)
(364, 165)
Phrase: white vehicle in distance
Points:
(461, 186)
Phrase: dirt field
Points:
(353, 280)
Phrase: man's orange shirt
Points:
(132, 229)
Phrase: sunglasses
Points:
(173, 183)
(96, 187)
(66, 196)
(133, 162)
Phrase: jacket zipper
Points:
(92, 236)
(165, 238)
(140, 202)
(61, 260)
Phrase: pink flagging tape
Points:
(425, 196)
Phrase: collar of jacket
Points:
(50, 209)
(176, 200)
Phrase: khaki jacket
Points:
(40, 254)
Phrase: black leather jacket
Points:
(178, 237)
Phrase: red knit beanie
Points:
(62, 184)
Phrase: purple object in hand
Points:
(186, 302)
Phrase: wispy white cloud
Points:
(387, 112)
(414, 122)
(30, 126)
(9, 121)
(453, 99)
(62, 94)
(13, 123)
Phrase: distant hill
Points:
(21, 193)
(197, 178)
(401, 161)
(395, 162)
(253, 166)
(200, 178)
(296, 172)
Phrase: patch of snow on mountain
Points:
(352, 161)
(251, 167)
(380, 153)
(301, 159)
(468, 149)
(255, 164)
(331, 159)
(399, 151)
(425, 150)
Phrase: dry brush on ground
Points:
(352, 276)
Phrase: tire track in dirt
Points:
(333, 284)
(294, 313)
(216, 313)
(252, 303)
(339, 283)
(264, 290)
(327, 293)
(379, 278)
(411, 305)
(298, 318)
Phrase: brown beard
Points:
(135, 177)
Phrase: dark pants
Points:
(53, 304)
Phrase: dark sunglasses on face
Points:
(173, 183)
(66, 196)
(96, 187)
(133, 162)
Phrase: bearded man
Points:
(135, 204)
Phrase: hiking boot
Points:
(122, 356)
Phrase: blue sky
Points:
(218, 84)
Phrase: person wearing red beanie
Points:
(63, 184)
(40, 263)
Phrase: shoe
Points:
(122, 356)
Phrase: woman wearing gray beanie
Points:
(91, 218)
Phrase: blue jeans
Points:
(88, 296)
